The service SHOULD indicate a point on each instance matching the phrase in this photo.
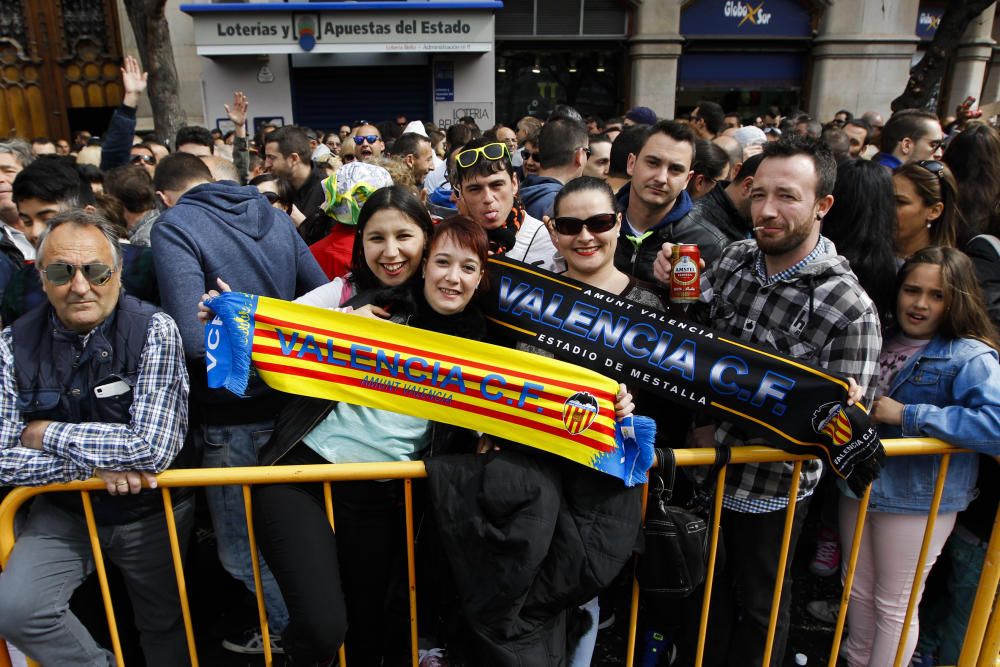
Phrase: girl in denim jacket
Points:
(940, 378)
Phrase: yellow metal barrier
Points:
(981, 647)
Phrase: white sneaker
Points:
(251, 642)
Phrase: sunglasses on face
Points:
(494, 151)
(370, 138)
(933, 166)
(60, 273)
(144, 159)
(536, 156)
(596, 224)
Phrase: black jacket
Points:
(984, 250)
(712, 224)
(635, 255)
(529, 538)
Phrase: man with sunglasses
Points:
(368, 143)
(142, 155)
(43, 190)
(93, 383)
(486, 185)
(287, 154)
(564, 146)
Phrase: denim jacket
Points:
(951, 391)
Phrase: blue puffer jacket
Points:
(950, 391)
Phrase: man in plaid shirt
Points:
(92, 382)
(788, 290)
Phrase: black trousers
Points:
(352, 583)
(743, 590)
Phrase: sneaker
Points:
(251, 642)
(824, 610)
(826, 561)
(433, 657)
(921, 659)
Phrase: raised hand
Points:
(133, 81)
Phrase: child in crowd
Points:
(940, 378)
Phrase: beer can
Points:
(685, 274)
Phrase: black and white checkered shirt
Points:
(819, 314)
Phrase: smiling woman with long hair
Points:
(355, 577)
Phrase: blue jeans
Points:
(944, 620)
(52, 557)
(233, 446)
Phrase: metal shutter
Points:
(328, 97)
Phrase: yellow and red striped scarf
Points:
(541, 402)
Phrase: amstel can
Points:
(685, 276)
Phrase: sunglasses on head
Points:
(596, 224)
(370, 138)
(60, 273)
(145, 159)
(470, 156)
(933, 166)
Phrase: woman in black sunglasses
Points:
(278, 193)
(585, 233)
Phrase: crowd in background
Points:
(897, 285)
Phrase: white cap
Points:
(749, 135)
(417, 127)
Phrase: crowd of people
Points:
(864, 247)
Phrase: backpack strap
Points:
(993, 241)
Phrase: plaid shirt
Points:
(71, 451)
(815, 312)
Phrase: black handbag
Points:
(675, 558)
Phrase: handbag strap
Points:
(667, 473)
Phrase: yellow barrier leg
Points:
(779, 581)
(328, 503)
(852, 566)
(175, 552)
(4, 654)
(633, 613)
(989, 656)
(911, 607)
(720, 490)
(261, 610)
(102, 577)
(989, 581)
(411, 569)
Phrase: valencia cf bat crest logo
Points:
(831, 420)
(579, 412)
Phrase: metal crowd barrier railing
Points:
(981, 647)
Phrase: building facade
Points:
(324, 64)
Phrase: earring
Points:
(928, 225)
